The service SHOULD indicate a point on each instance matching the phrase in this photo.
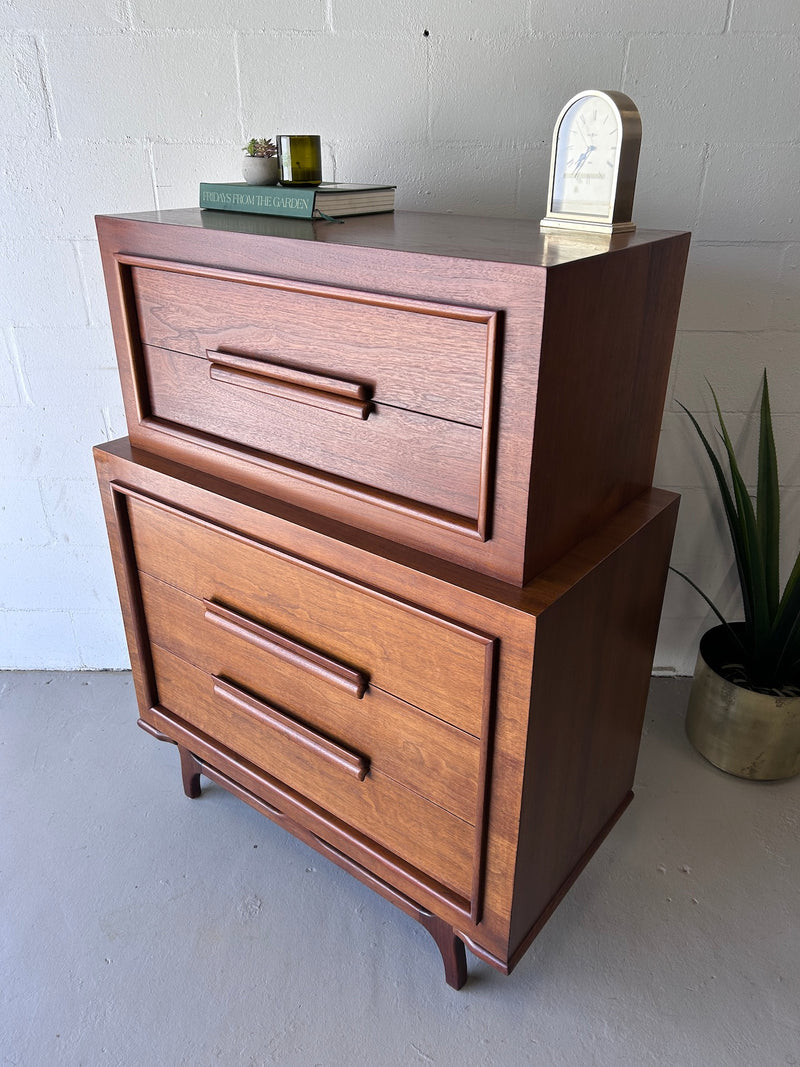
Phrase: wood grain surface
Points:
(389, 561)
(407, 744)
(416, 355)
(565, 667)
(403, 649)
(565, 363)
(423, 459)
(411, 827)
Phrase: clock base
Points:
(553, 225)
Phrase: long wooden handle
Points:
(347, 678)
(291, 383)
(284, 724)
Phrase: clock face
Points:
(586, 157)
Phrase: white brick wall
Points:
(124, 105)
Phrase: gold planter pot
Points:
(751, 735)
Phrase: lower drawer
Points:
(409, 454)
(423, 659)
(402, 742)
(332, 775)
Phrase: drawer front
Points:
(385, 398)
(419, 356)
(411, 455)
(385, 643)
(416, 750)
(330, 774)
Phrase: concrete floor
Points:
(140, 928)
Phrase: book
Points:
(330, 199)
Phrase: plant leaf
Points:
(771, 636)
(747, 535)
(768, 516)
(731, 517)
(734, 636)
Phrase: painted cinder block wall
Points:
(125, 105)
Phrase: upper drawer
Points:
(426, 660)
(385, 398)
(419, 356)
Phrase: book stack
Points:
(328, 200)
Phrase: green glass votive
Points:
(299, 159)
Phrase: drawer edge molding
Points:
(312, 479)
(288, 478)
(309, 739)
(423, 307)
(347, 678)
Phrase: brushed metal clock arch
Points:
(599, 128)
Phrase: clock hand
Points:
(582, 159)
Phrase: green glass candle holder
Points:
(299, 159)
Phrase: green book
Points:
(330, 199)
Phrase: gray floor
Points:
(141, 928)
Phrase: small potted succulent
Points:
(260, 165)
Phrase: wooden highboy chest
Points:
(388, 553)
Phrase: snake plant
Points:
(766, 646)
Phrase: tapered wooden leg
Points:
(190, 773)
(454, 955)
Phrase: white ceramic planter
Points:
(260, 170)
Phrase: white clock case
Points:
(620, 214)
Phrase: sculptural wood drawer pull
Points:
(290, 383)
(352, 681)
(315, 742)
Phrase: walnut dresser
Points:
(389, 557)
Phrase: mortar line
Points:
(702, 190)
(151, 162)
(87, 302)
(23, 384)
(238, 79)
(428, 103)
(44, 79)
(49, 524)
(625, 61)
(105, 415)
